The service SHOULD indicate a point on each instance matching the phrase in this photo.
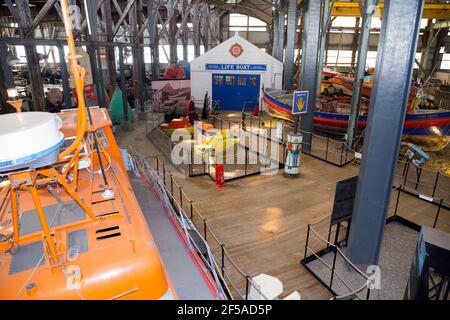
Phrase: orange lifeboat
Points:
(62, 237)
(70, 224)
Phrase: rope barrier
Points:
(186, 223)
(341, 254)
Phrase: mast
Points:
(79, 74)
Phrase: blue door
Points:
(234, 91)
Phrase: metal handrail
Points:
(165, 195)
(332, 268)
(406, 173)
(213, 264)
(339, 250)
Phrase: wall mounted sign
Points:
(236, 67)
(300, 104)
(236, 50)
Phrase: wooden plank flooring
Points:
(262, 220)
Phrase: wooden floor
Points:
(262, 220)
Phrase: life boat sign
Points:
(236, 67)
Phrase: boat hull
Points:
(432, 126)
(346, 85)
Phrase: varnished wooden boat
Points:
(429, 128)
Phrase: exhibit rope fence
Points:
(317, 246)
(420, 197)
(228, 276)
(245, 156)
(424, 181)
(322, 147)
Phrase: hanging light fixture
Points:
(11, 59)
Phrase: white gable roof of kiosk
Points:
(250, 55)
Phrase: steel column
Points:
(96, 63)
(363, 48)
(326, 17)
(290, 45)
(196, 25)
(204, 34)
(397, 49)
(279, 31)
(110, 56)
(355, 42)
(6, 77)
(427, 41)
(281, 28)
(437, 55)
(36, 86)
(309, 66)
(138, 57)
(123, 87)
(184, 27)
(275, 33)
(152, 14)
(65, 78)
(172, 31)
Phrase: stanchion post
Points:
(223, 259)
(270, 128)
(246, 161)
(398, 200)
(157, 165)
(164, 173)
(336, 237)
(368, 294)
(404, 169)
(247, 287)
(171, 188)
(435, 183)
(406, 173)
(307, 241)
(418, 173)
(437, 214)
(190, 166)
(329, 235)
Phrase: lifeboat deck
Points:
(187, 281)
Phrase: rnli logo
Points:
(236, 50)
(300, 103)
